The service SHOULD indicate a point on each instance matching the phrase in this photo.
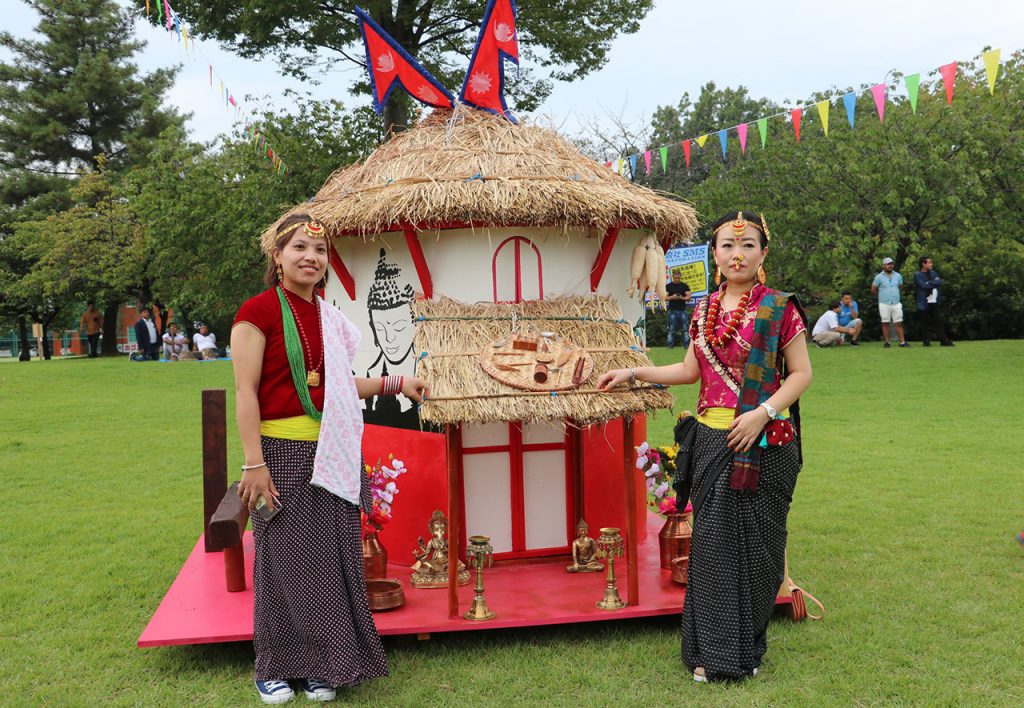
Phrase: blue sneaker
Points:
(275, 691)
(317, 690)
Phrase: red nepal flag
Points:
(390, 65)
(484, 87)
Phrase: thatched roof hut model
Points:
(468, 208)
(476, 169)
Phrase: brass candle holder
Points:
(479, 553)
(610, 547)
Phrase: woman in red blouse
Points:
(745, 454)
(303, 481)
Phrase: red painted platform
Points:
(198, 610)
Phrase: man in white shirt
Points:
(827, 331)
(204, 343)
(174, 343)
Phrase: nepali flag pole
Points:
(484, 87)
(390, 65)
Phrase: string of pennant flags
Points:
(172, 22)
(878, 92)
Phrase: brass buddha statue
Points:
(584, 552)
(431, 567)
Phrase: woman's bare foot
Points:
(699, 676)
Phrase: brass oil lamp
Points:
(479, 553)
(610, 547)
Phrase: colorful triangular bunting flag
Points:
(796, 114)
(948, 72)
(686, 152)
(741, 130)
(850, 101)
(762, 128)
(664, 158)
(702, 139)
(878, 93)
(913, 83)
(823, 109)
(991, 59)
(723, 138)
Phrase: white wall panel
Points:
(544, 499)
(488, 502)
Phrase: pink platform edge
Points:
(197, 608)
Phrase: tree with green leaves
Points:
(66, 97)
(944, 181)
(204, 207)
(564, 39)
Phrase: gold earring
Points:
(761, 275)
(718, 276)
(280, 273)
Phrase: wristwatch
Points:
(772, 413)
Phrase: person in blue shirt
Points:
(849, 316)
(886, 286)
(927, 283)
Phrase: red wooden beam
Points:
(454, 519)
(629, 471)
(338, 266)
(601, 262)
(215, 458)
(416, 250)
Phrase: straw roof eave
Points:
(450, 334)
(470, 167)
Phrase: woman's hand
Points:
(611, 379)
(415, 388)
(257, 483)
(746, 429)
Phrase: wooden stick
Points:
(506, 394)
(215, 458)
(629, 477)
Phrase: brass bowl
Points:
(680, 569)
(384, 594)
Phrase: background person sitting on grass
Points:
(849, 316)
(827, 330)
(204, 343)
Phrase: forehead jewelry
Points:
(739, 224)
(764, 228)
(313, 229)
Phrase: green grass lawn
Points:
(902, 523)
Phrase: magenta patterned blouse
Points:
(721, 377)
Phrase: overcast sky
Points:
(779, 50)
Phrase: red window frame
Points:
(517, 242)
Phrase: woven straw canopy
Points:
(474, 168)
(452, 334)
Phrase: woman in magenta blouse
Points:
(748, 350)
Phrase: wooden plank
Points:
(215, 456)
(629, 473)
(228, 522)
(234, 568)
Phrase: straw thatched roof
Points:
(472, 167)
(452, 334)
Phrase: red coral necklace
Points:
(714, 307)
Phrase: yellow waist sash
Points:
(300, 427)
(721, 418)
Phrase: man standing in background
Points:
(676, 301)
(927, 283)
(145, 336)
(92, 323)
(886, 286)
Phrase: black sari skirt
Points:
(312, 619)
(737, 559)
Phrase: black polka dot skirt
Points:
(311, 619)
(737, 560)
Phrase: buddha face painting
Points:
(390, 309)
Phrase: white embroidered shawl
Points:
(338, 463)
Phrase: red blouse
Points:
(277, 396)
(715, 392)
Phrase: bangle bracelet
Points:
(253, 467)
(632, 377)
(391, 385)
